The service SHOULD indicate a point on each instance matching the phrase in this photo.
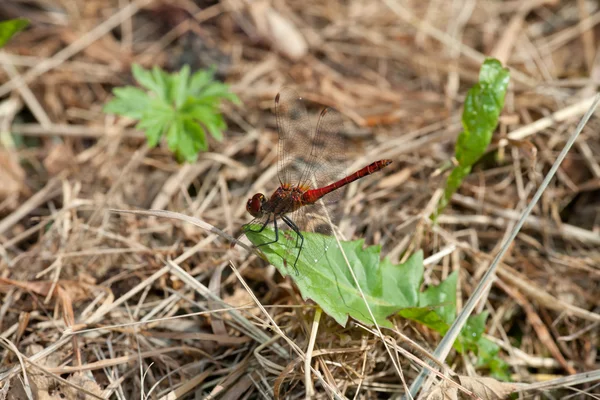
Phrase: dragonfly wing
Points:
(327, 152)
(295, 136)
(310, 155)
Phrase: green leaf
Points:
(211, 119)
(217, 91)
(199, 80)
(404, 278)
(163, 82)
(437, 306)
(9, 28)
(482, 108)
(153, 132)
(174, 133)
(146, 79)
(440, 317)
(443, 297)
(154, 125)
(388, 288)
(215, 127)
(426, 316)
(129, 101)
(458, 174)
(483, 105)
(328, 282)
(181, 86)
(185, 139)
(471, 333)
(196, 133)
(187, 148)
(487, 357)
(197, 111)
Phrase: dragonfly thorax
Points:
(284, 200)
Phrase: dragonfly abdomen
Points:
(311, 196)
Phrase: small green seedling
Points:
(177, 105)
(483, 105)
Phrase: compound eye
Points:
(254, 205)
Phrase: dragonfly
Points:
(310, 170)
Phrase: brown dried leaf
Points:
(59, 158)
(526, 146)
(84, 381)
(487, 388)
(39, 385)
(242, 299)
(279, 31)
(17, 391)
(443, 391)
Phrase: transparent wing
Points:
(310, 155)
(327, 154)
(295, 135)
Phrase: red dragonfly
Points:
(310, 167)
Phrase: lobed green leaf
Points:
(195, 131)
(181, 86)
(146, 79)
(163, 83)
(387, 287)
(129, 101)
(177, 105)
(199, 80)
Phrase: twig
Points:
(75, 131)
(186, 218)
(568, 112)
(310, 389)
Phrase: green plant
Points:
(483, 105)
(177, 105)
(437, 310)
(389, 289)
(9, 28)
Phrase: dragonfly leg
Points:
(262, 228)
(299, 236)
(274, 227)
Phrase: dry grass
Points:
(125, 306)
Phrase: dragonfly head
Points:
(255, 205)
